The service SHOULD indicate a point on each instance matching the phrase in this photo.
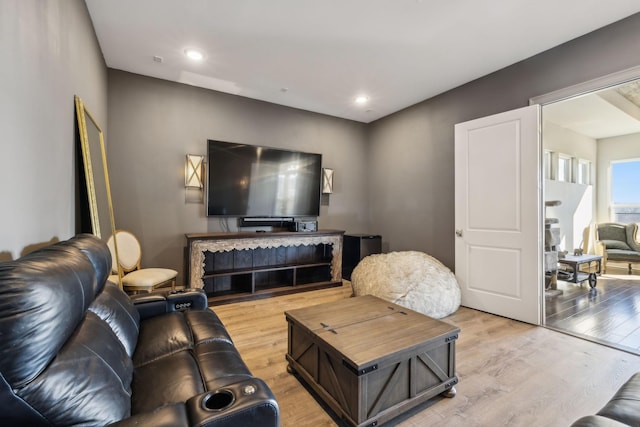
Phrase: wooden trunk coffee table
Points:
(370, 360)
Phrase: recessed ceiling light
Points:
(362, 99)
(194, 54)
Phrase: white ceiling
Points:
(319, 55)
(603, 114)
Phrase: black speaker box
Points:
(355, 247)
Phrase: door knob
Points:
(458, 232)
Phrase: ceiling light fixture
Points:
(362, 100)
(194, 54)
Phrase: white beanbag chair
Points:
(411, 279)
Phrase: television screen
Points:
(251, 181)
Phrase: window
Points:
(564, 168)
(547, 164)
(584, 172)
(625, 191)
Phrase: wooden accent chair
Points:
(618, 243)
(135, 278)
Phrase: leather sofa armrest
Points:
(597, 421)
(245, 403)
(165, 416)
(161, 302)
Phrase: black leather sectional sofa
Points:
(76, 350)
(622, 410)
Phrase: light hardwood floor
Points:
(511, 374)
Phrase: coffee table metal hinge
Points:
(362, 371)
(328, 328)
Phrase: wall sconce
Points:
(327, 181)
(193, 171)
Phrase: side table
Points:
(574, 262)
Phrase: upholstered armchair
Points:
(617, 243)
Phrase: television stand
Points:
(240, 266)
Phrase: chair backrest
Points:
(618, 236)
(612, 231)
(129, 251)
(67, 338)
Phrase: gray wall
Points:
(49, 54)
(154, 123)
(411, 152)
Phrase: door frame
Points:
(599, 83)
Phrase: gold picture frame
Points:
(96, 174)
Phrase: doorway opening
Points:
(591, 152)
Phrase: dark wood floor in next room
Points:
(609, 313)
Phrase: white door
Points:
(498, 214)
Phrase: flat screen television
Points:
(261, 182)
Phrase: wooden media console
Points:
(246, 265)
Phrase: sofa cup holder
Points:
(218, 400)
